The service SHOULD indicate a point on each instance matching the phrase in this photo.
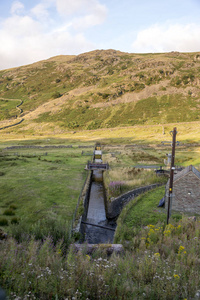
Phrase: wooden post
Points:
(171, 173)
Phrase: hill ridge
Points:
(104, 89)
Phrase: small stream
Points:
(97, 214)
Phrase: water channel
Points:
(96, 214)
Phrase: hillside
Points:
(101, 89)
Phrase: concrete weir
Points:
(97, 228)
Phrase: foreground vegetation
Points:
(161, 262)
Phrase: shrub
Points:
(56, 95)
(13, 206)
(14, 220)
(9, 78)
(105, 95)
(3, 222)
(9, 212)
(177, 81)
(139, 86)
(162, 88)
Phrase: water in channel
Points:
(97, 215)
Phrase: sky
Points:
(33, 30)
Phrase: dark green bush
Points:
(13, 206)
(105, 95)
(56, 95)
(9, 212)
(3, 222)
(14, 220)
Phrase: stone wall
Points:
(12, 124)
(186, 194)
(114, 208)
(37, 147)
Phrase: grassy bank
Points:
(140, 212)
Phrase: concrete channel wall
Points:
(114, 208)
(86, 204)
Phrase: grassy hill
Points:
(102, 89)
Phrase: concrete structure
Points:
(98, 156)
(97, 163)
(96, 166)
(186, 191)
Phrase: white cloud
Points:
(34, 44)
(31, 48)
(40, 11)
(97, 17)
(20, 26)
(68, 7)
(90, 12)
(17, 7)
(163, 38)
(40, 33)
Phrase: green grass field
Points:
(41, 183)
(46, 183)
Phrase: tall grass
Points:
(120, 180)
(55, 228)
(161, 262)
